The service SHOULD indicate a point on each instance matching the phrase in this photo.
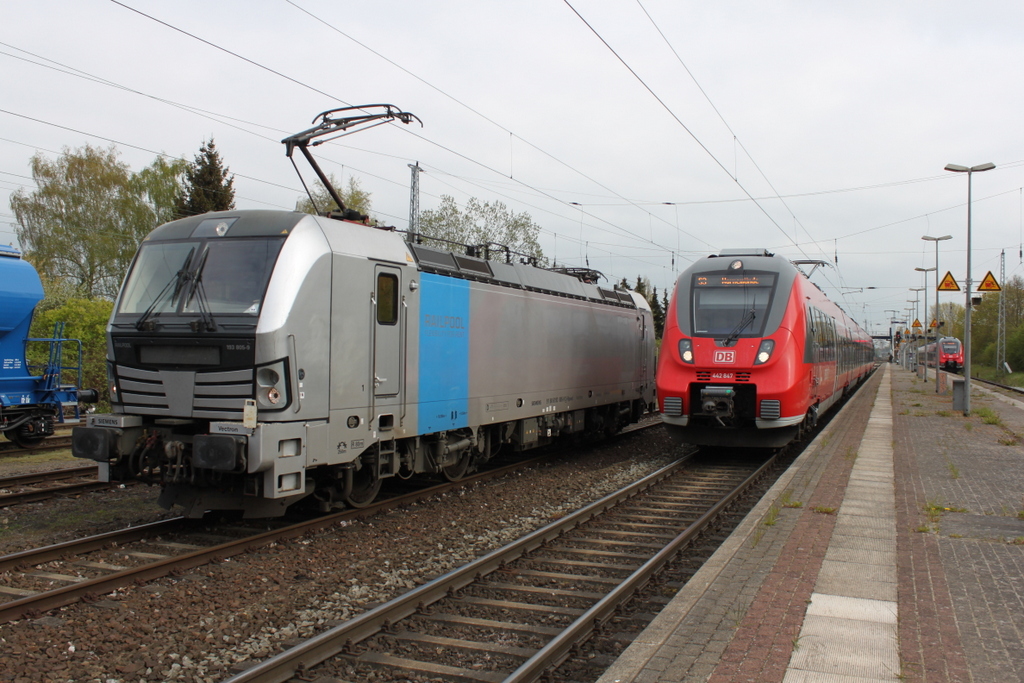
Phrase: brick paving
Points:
(961, 576)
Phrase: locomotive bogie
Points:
(364, 358)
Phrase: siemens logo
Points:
(450, 322)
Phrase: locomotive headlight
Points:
(272, 385)
(112, 383)
(686, 350)
(764, 352)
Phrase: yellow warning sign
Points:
(917, 323)
(948, 284)
(935, 323)
(989, 284)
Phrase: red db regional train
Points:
(753, 352)
(951, 354)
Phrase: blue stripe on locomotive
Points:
(443, 354)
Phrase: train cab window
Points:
(387, 299)
(727, 304)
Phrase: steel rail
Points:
(34, 495)
(296, 660)
(50, 443)
(85, 545)
(49, 475)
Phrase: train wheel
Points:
(25, 440)
(365, 488)
(458, 470)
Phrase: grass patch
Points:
(968, 426)
(1009, 440)
(786, 500)
(988, 416)
(953, 471)
(824, 510)
(943, 413)
(772, 517)
(1018, 541)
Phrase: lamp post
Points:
(892, 337)
(938, 311)
(917, 300)
(969, 170)
(926, 271)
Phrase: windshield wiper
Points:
(177, 280)
(199, 293)
(735, 334)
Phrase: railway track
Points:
(51, 443)
(519, 612)
(1007, 387)
(42, 579)
(29, 488)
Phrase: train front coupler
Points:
(718, 402)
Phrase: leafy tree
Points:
(160, 184)
(85, 319)
(88, 213)
(355, 197)
(207, 187)
(482, 223)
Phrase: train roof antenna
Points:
(339, 127)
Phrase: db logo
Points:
(725, 357)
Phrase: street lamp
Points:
(926, 271)
(892, 337)
(917, 300)
(969, 170)
(938, 311)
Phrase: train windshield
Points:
(951, 346)
(226, 276)
(731, 305)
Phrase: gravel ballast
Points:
(209, 623)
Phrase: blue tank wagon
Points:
(30, 404)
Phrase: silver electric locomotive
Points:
(259, 358)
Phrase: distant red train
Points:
(754, 352)
(951, 354)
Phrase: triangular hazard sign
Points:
(935, 323)
(917, 323)
(989, 284)
(948, 284)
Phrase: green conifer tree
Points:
(208, 186)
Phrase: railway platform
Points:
(893, 549)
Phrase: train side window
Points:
(387, 299)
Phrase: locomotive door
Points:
(388, 332)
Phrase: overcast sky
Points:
(636, 134)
